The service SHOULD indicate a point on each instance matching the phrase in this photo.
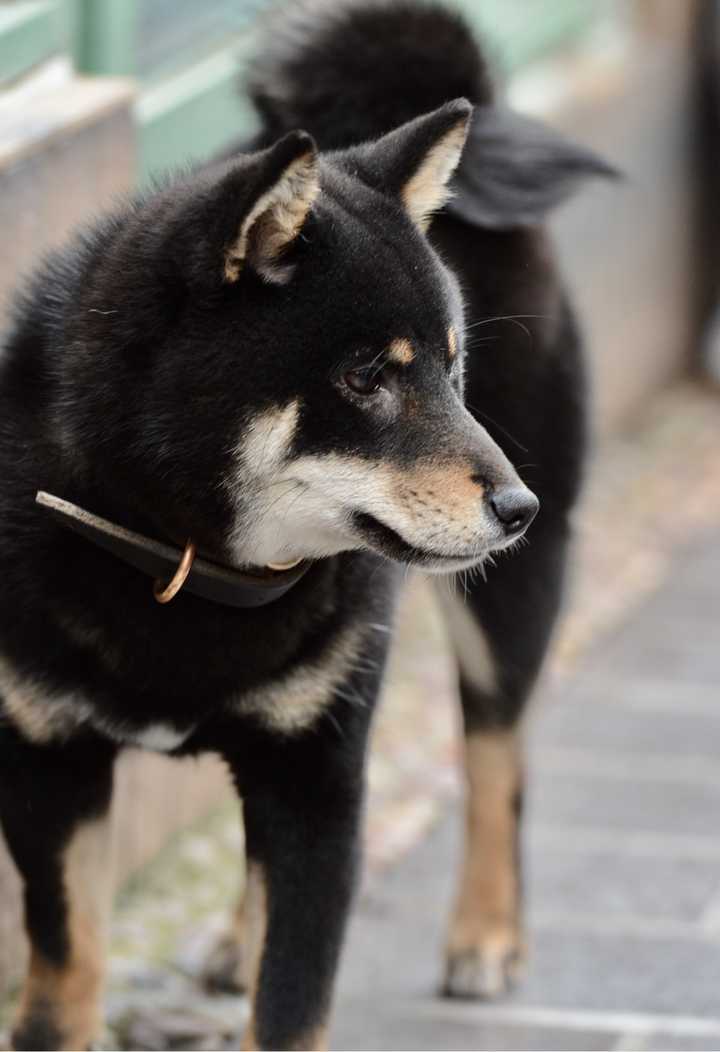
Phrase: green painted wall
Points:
(30, 32)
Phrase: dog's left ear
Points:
(515, 170)
(251, 215)
(415, 162)
(286, 183)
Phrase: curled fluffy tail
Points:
(350, 70)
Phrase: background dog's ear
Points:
(262, 207)
(515, 170)
(416, 161)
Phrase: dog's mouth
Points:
(383, 539)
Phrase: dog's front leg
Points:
(500, 632)
(301, 829)
(54, 806)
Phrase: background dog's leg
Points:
(226, 967)
(500, 630)
(54, 811)
(301, 830)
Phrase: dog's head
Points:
(288, 366)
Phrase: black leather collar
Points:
(219, 584)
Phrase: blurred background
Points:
(623, 837)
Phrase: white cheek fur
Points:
(290, 508)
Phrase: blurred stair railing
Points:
(31, 32)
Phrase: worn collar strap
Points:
(219, 584)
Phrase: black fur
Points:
(39, 1031)
(315, 57)
(134, 369)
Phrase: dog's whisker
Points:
(352, 698)
(329, 715)
(358, 666)
(481, 412)
(506, 317)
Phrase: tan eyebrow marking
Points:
(401, 351)
(452, 342)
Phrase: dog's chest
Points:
(286, 704)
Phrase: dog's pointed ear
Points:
(415, 162)
(515, 170)
(261, 209)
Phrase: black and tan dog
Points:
(262, 365)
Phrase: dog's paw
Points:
(224, 969)
(485, 970)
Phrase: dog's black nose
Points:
(515, 507)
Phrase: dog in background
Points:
(264, 371)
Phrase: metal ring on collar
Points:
(164, 593)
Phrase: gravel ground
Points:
(649, 493)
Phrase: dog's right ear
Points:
(254, 213)
(415, 162)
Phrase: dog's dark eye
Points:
(364, 381)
